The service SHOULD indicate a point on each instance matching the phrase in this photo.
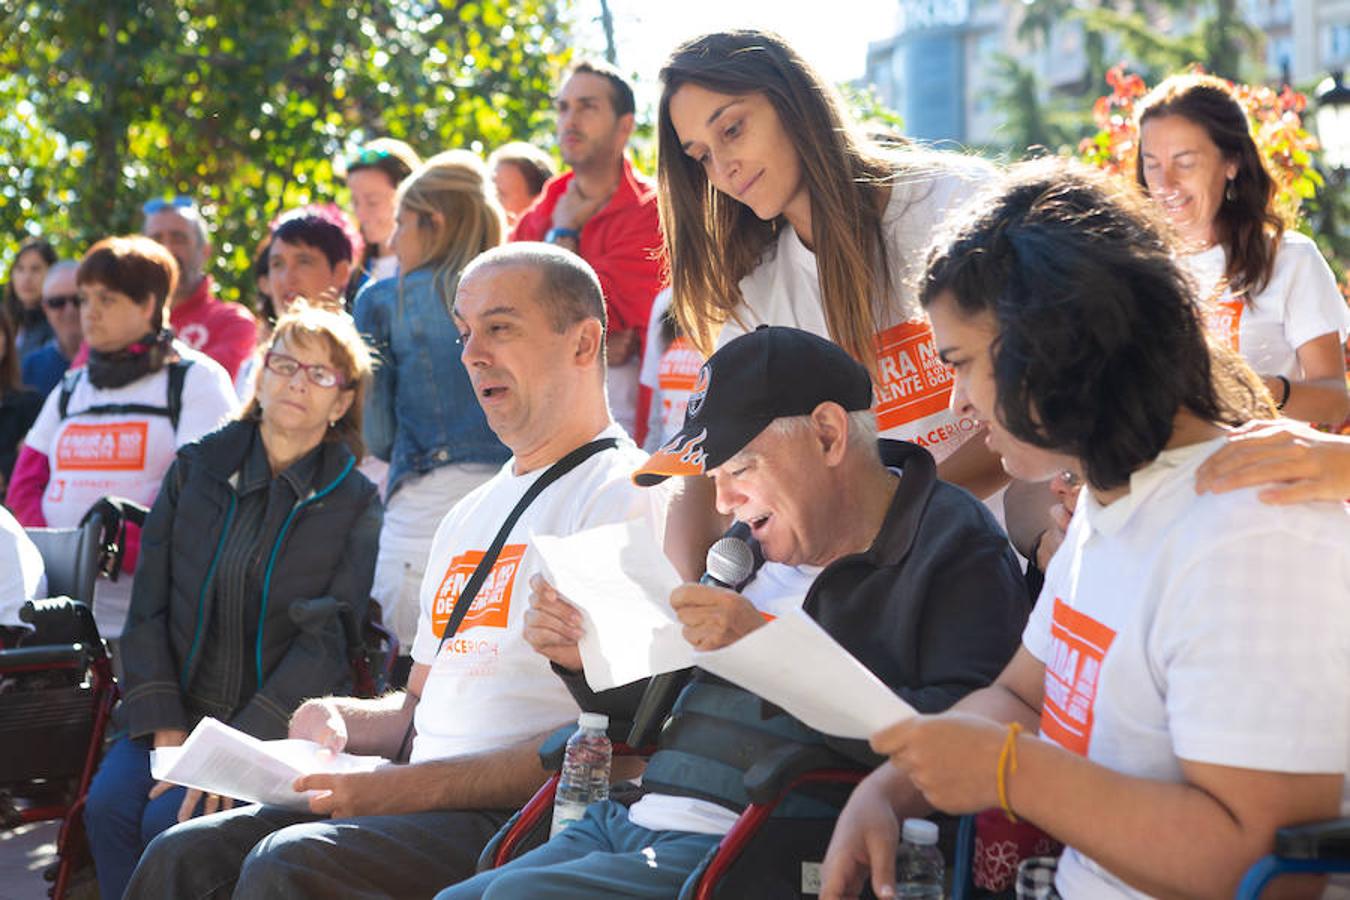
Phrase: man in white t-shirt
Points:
(479, 702)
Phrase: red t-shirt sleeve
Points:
(233, 338)
(628, 265)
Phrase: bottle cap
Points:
(921, 832)
(593, 720)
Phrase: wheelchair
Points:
(58, 690)
(762, 856)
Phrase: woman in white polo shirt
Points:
(112, 427)
(1187, 665)
(1264, 289)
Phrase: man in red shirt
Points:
(226, 332)
(605, 212)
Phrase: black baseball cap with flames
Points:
(770, 373)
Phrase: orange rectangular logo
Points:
(102, 447)
(915, 383)
(1078, 644)
(679, 366)
(1223, 321)
(491, 608)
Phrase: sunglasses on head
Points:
(367, 157)
(58, 302)
(160, 203)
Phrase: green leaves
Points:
(245, 106)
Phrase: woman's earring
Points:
(332, 423)
(1230, 192)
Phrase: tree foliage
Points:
(247, 106)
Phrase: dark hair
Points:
(134, 265)
(317, 232)
(534, 165)
(712, 241)
(1249, 226)
(262, 268)
(10, 378)
(571, 291)
(1099, 343)
(30, 245)
(621, 93)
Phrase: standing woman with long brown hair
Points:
(776, 210)
(1264, 289)
(18, 405)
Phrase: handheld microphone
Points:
(730, 564)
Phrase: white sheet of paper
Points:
(620, 579)
(223, 760)
(795, 664)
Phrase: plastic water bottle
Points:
(585, 771)
(918, 864)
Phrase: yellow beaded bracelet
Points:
(1007, 765)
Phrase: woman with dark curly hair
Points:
(1264, 289)
(1188, 664)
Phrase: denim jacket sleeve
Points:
(317, 659)
(372, 320)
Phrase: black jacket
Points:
(318, 554)
(934, 608)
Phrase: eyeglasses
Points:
(158, 204)
(58, 302)
(319, 376)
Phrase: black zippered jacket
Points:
(312, 557)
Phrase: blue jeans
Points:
(119, 816)
(603, 855)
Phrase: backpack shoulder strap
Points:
(68, 382)
(177, 377)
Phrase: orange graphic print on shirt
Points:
(1223, 321)
(491, 607)
(915, 383)
(1078, 644)
(102, 447)
(679, 366)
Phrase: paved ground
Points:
(24, 853)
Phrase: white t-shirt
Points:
(95, 455)
(382, 267)
(488, 688)
(670, 371)
(911, 400)
(776, 589)
(21, 571)
(1211, 628)
(1301, 302)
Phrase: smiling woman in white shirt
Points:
(1264, 289)
(1187, 665)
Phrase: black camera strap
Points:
(484, 568)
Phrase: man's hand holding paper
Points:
(713, 617)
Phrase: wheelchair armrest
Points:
(774, 772)
(555, 745)
(59, 620)
(1329, 840)
(44, 656)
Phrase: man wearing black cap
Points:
(908, 573)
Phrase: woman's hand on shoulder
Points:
(1294, 462)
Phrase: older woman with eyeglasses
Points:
(263, 535)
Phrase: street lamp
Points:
(1333, 121)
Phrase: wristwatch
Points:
(555, 234)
